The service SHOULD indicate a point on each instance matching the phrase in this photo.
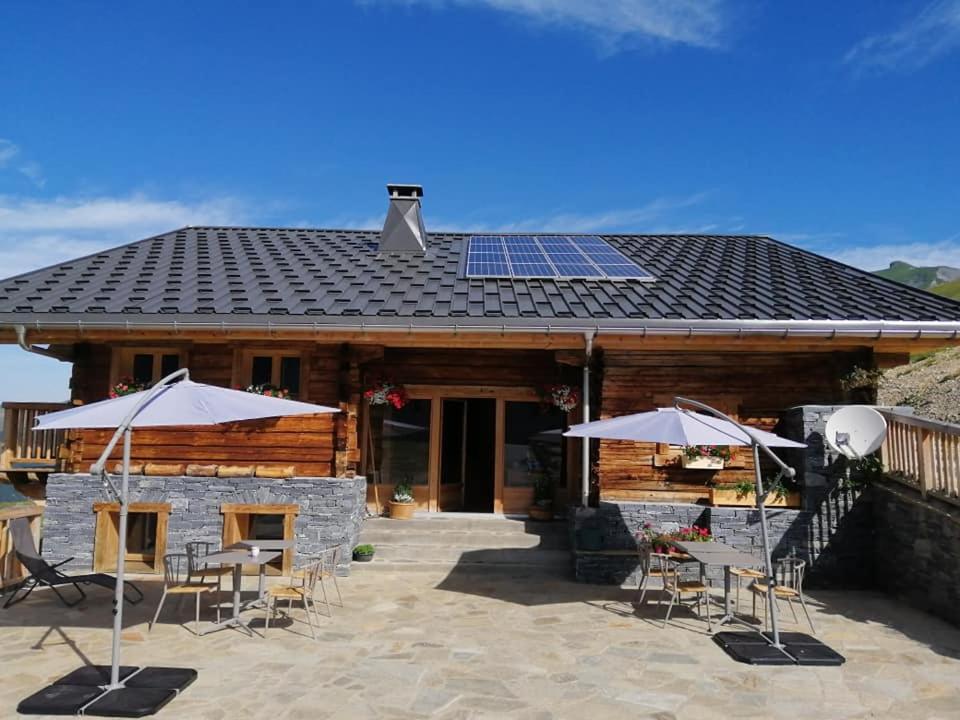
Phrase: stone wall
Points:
(917, 553)
(331, 511)
(834, 530)
(616, 524)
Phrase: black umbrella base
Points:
(798, 649)
(145, 691)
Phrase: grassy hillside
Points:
(948, 289)
(925, 278)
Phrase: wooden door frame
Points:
(437, 394)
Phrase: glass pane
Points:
(169, 364)
(266, 527)
(141, 532)
(403, 439)
(533, 444)
(261, 370)
(290, 374)
(143, 368)
(452, 449)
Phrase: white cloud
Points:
(7, 152)
(877, 257)
(700, 23)
(34, 173)
(29, 169)
(35, 233)
(934, 32)
(635, 219)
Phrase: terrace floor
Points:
(498, 644)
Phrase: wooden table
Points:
(716, 553)
(238, 557)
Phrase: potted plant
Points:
(743, 493)
(401, 503)
(363, 553)
(542, 508)
(705, 457)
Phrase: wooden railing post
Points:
(925, 471)
(9, 436)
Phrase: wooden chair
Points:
(176, 581)
(650, 566)
(197, 569)
(677, 588)
(304, 593)
(789, 571)
(751, 574)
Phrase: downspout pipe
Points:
(585, 460)
(21, 332)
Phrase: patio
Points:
(473, 643)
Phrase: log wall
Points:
(753, 387)
(308, 442)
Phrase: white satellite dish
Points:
(856, 431)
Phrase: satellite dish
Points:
(856, 431)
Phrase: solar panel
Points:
(546, 256)
(527, 258)
(487, 257)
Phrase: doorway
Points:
(467, 454)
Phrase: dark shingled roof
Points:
(337, 276)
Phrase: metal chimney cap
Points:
(401, 190)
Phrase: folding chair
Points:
(43, 574)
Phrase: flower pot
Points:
(704, 462)
(363, 558)
(540, 512)
(729, 496)
(402, 511)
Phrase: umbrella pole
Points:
(767, 559)
(121, 562)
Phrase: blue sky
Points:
(829, 125)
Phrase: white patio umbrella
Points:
(680, 426)
(168, 403)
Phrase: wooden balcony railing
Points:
(11, 571)
(26, 450)
(923, 453)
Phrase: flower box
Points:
(729, 496)
(704, 462)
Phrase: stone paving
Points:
(498, 644)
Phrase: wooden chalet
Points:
(476, 330)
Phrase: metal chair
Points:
(751, 574)
(329, 559)
(197, 568)
(43, 574)
(176, 581)
(304, 593)
(650, 566)
(789, 572)
(677, 588)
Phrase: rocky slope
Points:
(930, 385)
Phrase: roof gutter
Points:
(21, 332)
(868, 329)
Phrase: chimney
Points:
(403, 229)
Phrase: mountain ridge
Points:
(941, 280)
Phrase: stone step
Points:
(520, 570)
(457, 522)
(449, 540)
(381, 537)
(480, 556)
